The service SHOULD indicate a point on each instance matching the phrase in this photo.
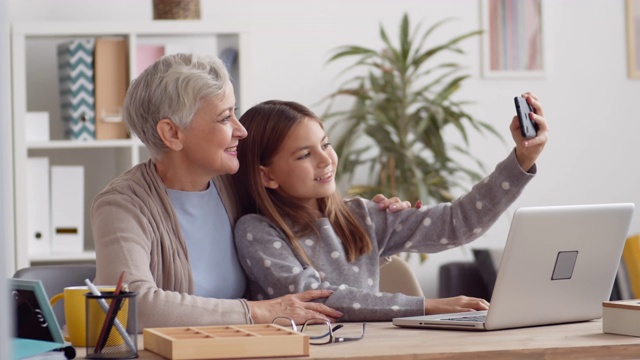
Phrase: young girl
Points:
(299, 234)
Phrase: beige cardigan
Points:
(135, 229)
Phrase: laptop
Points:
(558, 266)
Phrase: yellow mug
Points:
(75, 312)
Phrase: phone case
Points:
(528, 128)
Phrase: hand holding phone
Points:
(528, 128)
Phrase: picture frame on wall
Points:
(513, 39)
(633, 38)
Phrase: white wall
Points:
(6, 326)
(588, 100)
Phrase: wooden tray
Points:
(228, 342)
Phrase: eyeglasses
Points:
(320, 331)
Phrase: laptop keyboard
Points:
(474, 318)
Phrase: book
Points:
(29, 349)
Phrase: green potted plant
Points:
(402, 102)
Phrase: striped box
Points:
(77, 99)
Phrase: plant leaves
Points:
(403, 103)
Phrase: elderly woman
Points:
(167, 223)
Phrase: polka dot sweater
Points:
(273, 269)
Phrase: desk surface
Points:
(384, 341)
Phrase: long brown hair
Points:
(267, 125)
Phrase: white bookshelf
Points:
(35, 88)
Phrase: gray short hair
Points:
(172, 88)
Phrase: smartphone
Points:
(528, 128)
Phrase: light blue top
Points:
(212, 252)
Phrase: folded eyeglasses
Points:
(320, 331)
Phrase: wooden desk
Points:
(385, 341)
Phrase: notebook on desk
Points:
(558, 265)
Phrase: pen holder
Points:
(111, 326)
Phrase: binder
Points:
(67, 209)
(38, 220)
(76, 85)
(111, 79)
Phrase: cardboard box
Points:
(111, 79)
(621, 317)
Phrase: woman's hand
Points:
(394, 204)
(295, 306)
(527, 150)
(454, 304)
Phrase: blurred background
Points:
(590, 102)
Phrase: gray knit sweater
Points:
(274, 269)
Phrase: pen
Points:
(105, 307)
